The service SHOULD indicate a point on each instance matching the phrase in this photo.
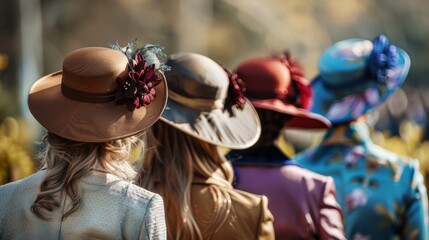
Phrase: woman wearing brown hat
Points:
(303, 202)
(205, 109)
(84, 189)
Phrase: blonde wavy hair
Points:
(67, 161)
(179, 157)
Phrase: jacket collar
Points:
(355, 133)
(216, 178)
(212, 180)
(269, 155)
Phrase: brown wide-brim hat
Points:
(198, 88)
(270, 85)
(78, 103)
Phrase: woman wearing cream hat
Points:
(205, 109)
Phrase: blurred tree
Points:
(15, 161)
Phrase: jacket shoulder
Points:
(390, 159)
(139, 198)
(252, 206)
(21, 186)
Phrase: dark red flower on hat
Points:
(236, 91)
(303, 96)
(138, 89)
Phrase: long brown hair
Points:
(67, 161)
(169, 168)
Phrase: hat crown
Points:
(94, 70)
(264, 78)
(345, 63)
(196, 76)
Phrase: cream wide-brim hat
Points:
(197, 91)
(78, 102)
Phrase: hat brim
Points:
(301, 118)
(340, 106)
(90, 122)
(237, 131)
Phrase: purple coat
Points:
(303, 203)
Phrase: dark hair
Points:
(271, 123)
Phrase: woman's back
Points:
(84, 189)
(303, 202)
(205, 109)
(110, 209)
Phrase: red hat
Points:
(277, 83)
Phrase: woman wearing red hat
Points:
(84, 189)
(205, 110)
(303, 202)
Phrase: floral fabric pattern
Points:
(382, 195)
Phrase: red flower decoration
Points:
(138, 89)
(236, 91)
(301, 83)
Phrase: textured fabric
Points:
(303, 202)
(110, 209)
(382, 194)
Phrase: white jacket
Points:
(110, 209)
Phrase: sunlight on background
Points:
(35, 35)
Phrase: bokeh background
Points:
(35, 35)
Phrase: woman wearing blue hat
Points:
(382, 194)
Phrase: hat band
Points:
(197, 103)
(85, 96)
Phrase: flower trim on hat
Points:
(354, 104)
(383, 59)
(137, 90)
(236, 90)
(303, 97)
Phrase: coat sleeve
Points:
(154, 226)
(266, 229)
(416, 222)
(331, 216)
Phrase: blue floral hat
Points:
(357, 75)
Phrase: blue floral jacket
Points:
(383, 195)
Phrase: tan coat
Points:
(249, 218)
